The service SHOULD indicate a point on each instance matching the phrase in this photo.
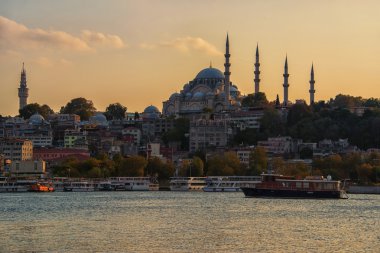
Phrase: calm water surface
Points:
(186, 222)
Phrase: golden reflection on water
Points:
(186, 222)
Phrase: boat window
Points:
(298, 184)
(305, 184)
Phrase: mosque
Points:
(211, 89)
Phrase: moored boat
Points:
(273, 185)
(41, 187)
(79, 186)
(187, 183)
(229, 183)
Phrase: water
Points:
(185, 222)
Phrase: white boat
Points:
(59, 183)
(103, 186)
(131, 183)
(78, 186)
(15, 185)
(187, 183)
(230, 183)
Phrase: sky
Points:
(139, 52)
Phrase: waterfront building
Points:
(29, 168)
(209, 134)
(16, 149)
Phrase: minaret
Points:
(227, 73)
(278, 105)
(257, 71)
(312, 82)
(286, 83)
(23, 91)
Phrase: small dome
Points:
(36, 118)
(198, 95)
(99, 117)
(174, 95)
(233, 89)
(188, 95)
(210, 93)
(210, 73)
(151, 109)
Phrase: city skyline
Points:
(123, 51)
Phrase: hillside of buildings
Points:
(339, 137)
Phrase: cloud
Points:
(48, 62)
(185, 45)
(97, 38)
(13, 34)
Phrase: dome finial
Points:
(210, 64)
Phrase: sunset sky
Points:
(139, 52)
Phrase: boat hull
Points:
(221, 189)
(282, 193)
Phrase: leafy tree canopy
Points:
(80, 106)
(34, 108)
(115, 111)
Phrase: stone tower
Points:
(257, 71)
(286, 83)
(23, 91)
(227, 73)
(312, 82)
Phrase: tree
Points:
(226, 164)
(197, 167)
(255, 100)
(156, 167)
(80, 106)
(132, 166)
(258, 161)
(115, 111)
(34, 108)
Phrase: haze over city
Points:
(137, 53)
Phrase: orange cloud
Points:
(13, 34)
(185, 45)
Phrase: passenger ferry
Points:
(229, 183)
(41, 187)
(15, 185)
(78, 186)
(131, 183)
(187, 183)
(273, 185)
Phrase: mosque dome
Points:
(174, 95)
(210, 73)
(36, 119)
(151, 109)
(188, 95)
(99, 119)
(198, 95)
(151, 112)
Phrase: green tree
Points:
(258, 161)
(226, 164)
(132, 166)
(255, 100)
(197, 167)
(34, 108)
(80, 106)
(115, 111)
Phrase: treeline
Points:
(322, 120)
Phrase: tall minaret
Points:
(257, 71)
(227, 73)
(312, 82)
(23, 91)
(286, 83)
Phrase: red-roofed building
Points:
(49, 154)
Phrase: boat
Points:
(78, 186)
(274, 185)
(187, 183)
(15, 185)
(229, 183)
(41, 187)
(103, 186)
(130, 183)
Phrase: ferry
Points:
(187, 183)
(78, 186)
(229, 183)
(274, 185)
(41, 187)
(131, 183)
(15, 185)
